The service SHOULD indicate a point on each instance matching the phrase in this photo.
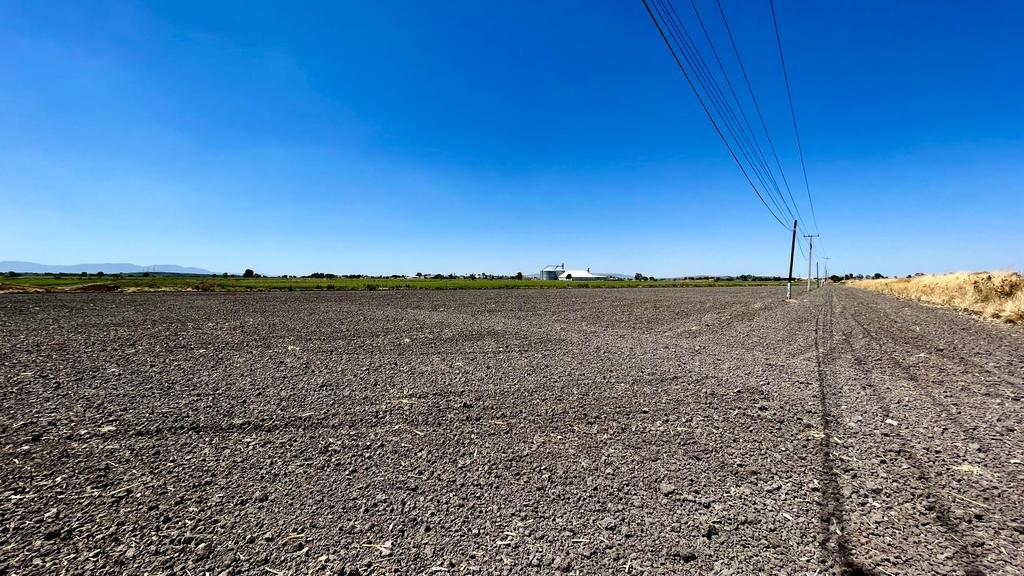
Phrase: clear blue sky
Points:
(458, 136)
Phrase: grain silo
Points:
(551, 272)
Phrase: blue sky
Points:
(396, 137)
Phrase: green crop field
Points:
(57, 283)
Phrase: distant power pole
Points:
(810, 256)
(826, 259)
(817, 275)
(792, 247)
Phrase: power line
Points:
(694, 57)
(677, 30)
(706, 79)
(792, 113)
(757, 108)
(745, 140)
(718, 130)
(755, 145)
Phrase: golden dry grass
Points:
(998, 295)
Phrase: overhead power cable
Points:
(757, 108)
(752, 138)
(792, 113)
(708, 82)
(727, 115)
(707, 112)
(691, 54)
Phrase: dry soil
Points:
(667, 431)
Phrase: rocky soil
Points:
(667, 431)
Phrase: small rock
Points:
(665, 488)
(711, 532)
(873, 486)
(296, 545)
(225, 559)
(608, 523)
(202, 551)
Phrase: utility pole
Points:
(810, 256)
(792, 247)
(826, 259)
(817, 275)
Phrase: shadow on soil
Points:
(833, 511)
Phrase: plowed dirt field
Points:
(632, 431)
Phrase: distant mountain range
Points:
(116, 268)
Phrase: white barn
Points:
(560, 272)
(580, 275)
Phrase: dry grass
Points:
(998, 295)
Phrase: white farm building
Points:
(560, 272)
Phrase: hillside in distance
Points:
(109, 268)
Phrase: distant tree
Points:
(835, 278)
(877, 276)
(12, 274)
(568, 276)
(638, 276)
(225, 275)
(419, 274)
(100, 274)
(248, 273)
(145, 274)
(519, 275)
(84, 274)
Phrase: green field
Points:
(235, 283)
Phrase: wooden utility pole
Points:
(810, 256)
(792, 247)
(826, 259)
